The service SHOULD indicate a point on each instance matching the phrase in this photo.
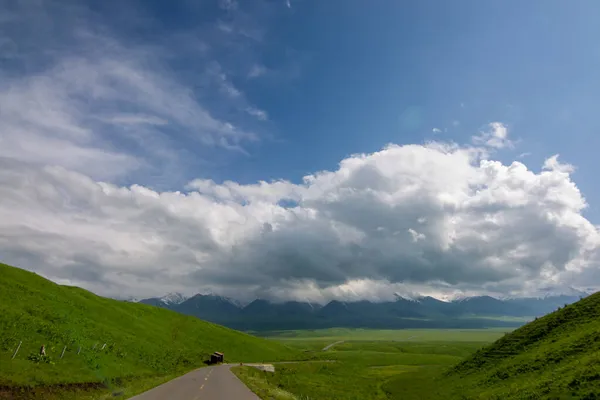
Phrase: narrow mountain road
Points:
(210, 383)
(331, 345)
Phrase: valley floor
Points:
(368, 364)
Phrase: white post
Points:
(17, 350)
(94, 348)
(79, 350)
(63, 352)
(103, 346)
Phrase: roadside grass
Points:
(121, 389)
(144, 344)
(258, 382)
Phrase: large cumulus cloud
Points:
(435, 218)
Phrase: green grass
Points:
(554, 357)
(363, 364)
(144, 345)
(259, 383)
(336, 334)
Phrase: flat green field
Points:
(361, 362)
(421, 335)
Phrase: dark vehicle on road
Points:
(216, 358)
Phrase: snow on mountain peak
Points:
(406, 297)
(173, 298)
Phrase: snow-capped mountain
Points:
(167, 301)
(173, 298)
(405, 311)
(407, 297)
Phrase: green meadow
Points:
(553, 357)
(362, 362)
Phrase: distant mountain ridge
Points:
(418, 312)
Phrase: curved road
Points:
(210, 383)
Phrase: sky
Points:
(301, 150)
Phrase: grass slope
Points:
(141, 341)
(554, 357)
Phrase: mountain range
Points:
(421, 312)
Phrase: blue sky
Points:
(352, 76)
(159, 97)
(343, 77)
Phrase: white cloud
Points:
(495, 137)
(432, 219)
(59, 117)
(436, 130)
(135, 119)
(106, 108)
(258, 113)
(257, 71)
(225, 85)
(416, 236)
(552, 164)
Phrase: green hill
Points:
(117, 341)
(554, 357)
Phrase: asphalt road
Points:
(210, 383)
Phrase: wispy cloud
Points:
(226, 87)
(135, 119)
(256, 70)
(496, 136)
(436, 130)
(552, 164)
(259, 114)
(94, 90)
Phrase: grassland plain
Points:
(144, 345)
(422, 335)
(365, 361)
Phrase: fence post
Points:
(103, 346)
(95, 345)
(63, 352)
(79, 350)
(17, 350)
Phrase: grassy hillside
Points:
(141, 340)
(554, 357)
